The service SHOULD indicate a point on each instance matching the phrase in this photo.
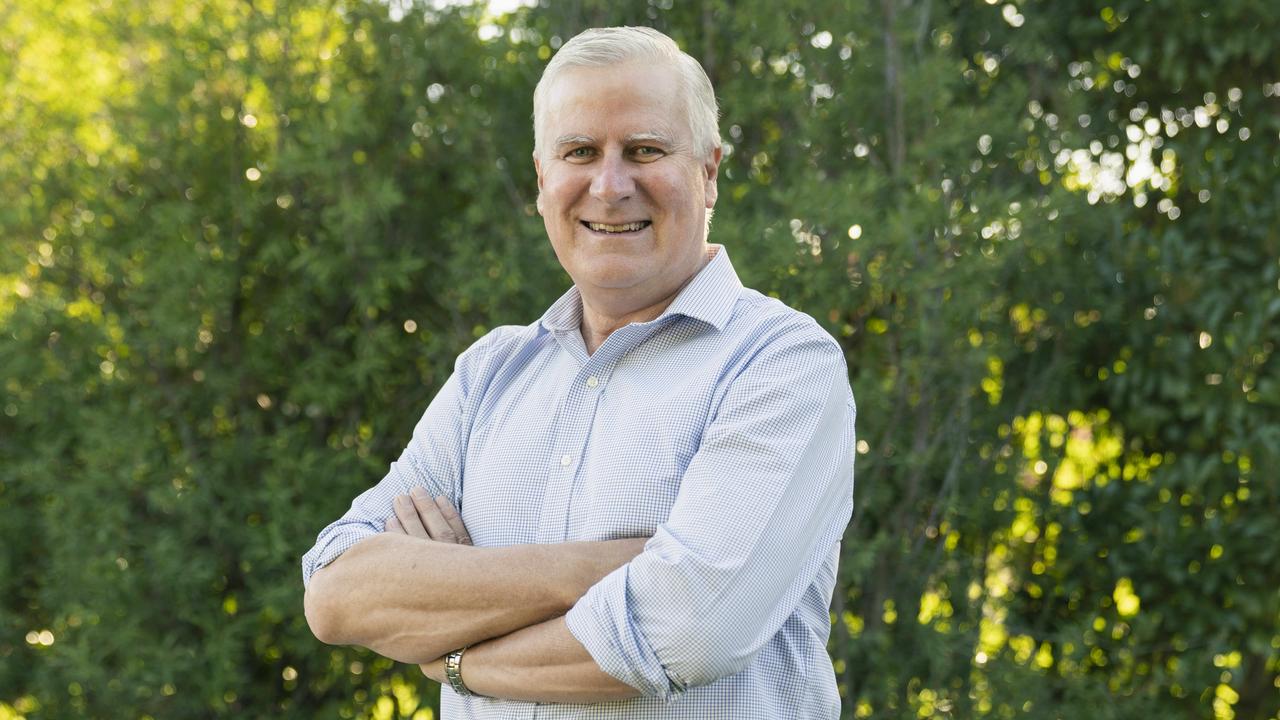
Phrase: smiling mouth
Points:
(617, 229)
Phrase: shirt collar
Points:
(565, 313)
(709, 297)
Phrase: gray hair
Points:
(603, 47)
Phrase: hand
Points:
(417, 515)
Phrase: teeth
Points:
(629, 227)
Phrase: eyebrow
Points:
(658, 138)
(632, 139)
(573, 140)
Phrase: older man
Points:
(651, 481)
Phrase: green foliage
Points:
(241, 244)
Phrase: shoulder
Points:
(788, 344)
(767, 324)
(497, 341)
(783, 362)
(493, 349)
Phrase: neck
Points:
(602, 315)
(599, 323)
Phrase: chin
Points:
(614, 273)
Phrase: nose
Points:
(613, 181)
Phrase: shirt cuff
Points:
(332, 547)
(601, 620)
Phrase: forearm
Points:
(541, 663)
(413, 600)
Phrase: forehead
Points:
(616, 100)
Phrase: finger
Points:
(452, 517)
(432, 520)
(407, 513)
(393, 525)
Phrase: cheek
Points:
(558, 192)
(684, 196)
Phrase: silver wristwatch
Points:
(453, 671)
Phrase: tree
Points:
(242, 243)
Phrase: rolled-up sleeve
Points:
(430, 460)
(761, 506)
(433, 460)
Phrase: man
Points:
(651, 481)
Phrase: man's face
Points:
(622, 189)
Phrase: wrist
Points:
(453, 672)
(434, 670)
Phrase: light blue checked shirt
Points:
(724, 428)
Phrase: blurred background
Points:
(242, 241)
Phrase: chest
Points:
(566, 451)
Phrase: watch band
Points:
(453, 671)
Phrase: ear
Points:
(537, 167)
(712, 168)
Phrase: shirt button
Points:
(565, 460)
(592, 381)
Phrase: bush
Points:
(242, 243)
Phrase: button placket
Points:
(571, 440)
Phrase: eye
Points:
(647, 152)
(581, 153)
